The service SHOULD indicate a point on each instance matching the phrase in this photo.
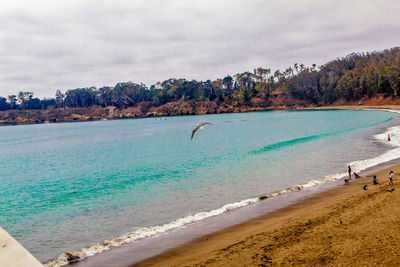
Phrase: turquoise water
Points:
(66, 186)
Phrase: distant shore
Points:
(345, 226)
(180, 108)
(95, 113)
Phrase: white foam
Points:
(182, 222)
(356, 166)
(146, 232)
(392, 154)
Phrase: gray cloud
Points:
(54, 45)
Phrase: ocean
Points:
(85, 187)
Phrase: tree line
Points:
(351, 78)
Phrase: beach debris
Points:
(365, 187)
(262, 197)
(71, 258)
(340, 220)
(390, 191)
(199, 126)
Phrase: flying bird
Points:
(365, 187)
(390, 191)
(199, 126)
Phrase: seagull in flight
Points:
(199, 126)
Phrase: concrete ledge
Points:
(14, 254)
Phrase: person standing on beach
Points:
(349, 170)
(391, 177)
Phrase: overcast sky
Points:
(50, 45)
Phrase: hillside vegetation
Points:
(358, 78)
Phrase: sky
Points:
(46, 45)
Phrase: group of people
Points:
(374, 179)
(391, 174)
(356, 175)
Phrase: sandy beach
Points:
(345, 226)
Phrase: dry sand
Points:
(308, 233)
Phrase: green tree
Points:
(24, 99)
(3, 104)
(12, 101)
(59, 99)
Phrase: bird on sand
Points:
(199, 126)
(390, 191)
(365, 187)
(340, 220)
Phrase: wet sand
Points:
(308, 233)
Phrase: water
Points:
(68, 186)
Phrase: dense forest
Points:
(349, 79)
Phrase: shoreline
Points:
(298, 234)
(154, 247)
(97, 113)
(113, 113)
(150, 246)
